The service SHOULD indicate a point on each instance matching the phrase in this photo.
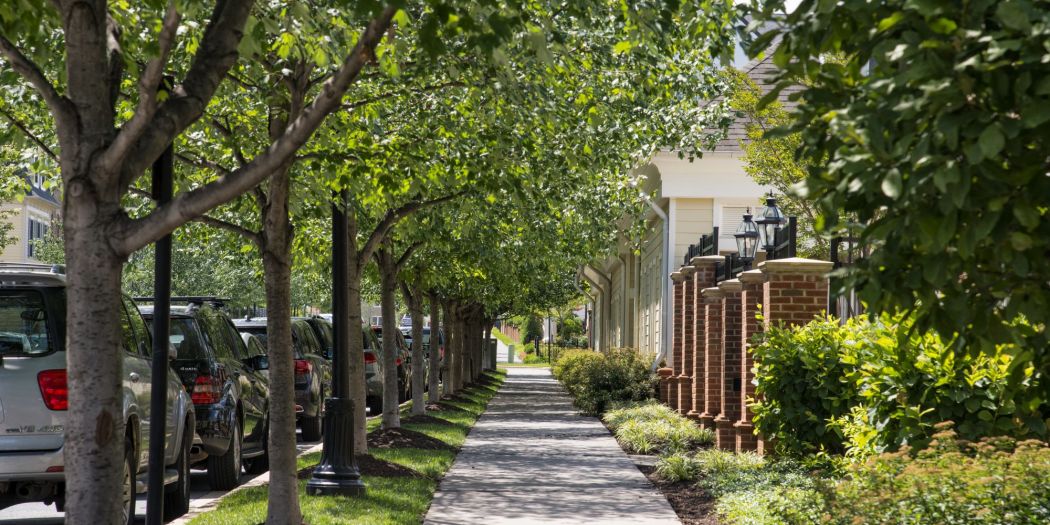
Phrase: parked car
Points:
(322, 328)
(440, 348)
(229, 390)
(33, 397)
(374, 371)
(313, 373)
(403, 360)
(407, 334)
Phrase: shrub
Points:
(995, 481)
(872, 386)
(596, 380)
(665, 435)
(676, 467)
(648, 410)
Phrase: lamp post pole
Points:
(337, 473)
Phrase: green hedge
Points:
(871, 386)
(596, 380)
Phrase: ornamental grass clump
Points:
(651, 428)
(677, 467)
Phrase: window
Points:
(37, 231)
(23, 324)
(139, 327)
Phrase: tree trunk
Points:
(435, 350)
(356, 358)
(415, 309)
(94, 426)
(388, 287)
(283, 501)
(462, 345)
(450, 349)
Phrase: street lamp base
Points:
(337, 474)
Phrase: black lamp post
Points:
(337, 474)
(769, 222)
(747, 240)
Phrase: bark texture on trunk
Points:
(414, 298)
(95, 430)
(434, 376)
(452, 337)
(357, 353)
(388, 289)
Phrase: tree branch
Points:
(253, 236)
(149, 85)
(408, 253)
(189, 205)
(25, 130)
(391, 94)
(203, 164)
(187, 102)
(394, 216)
(60, 106)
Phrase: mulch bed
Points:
(372, 466)
(693, 505)
(404, 438)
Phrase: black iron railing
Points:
(706, 245)
(844, 303)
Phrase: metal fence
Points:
(844, 303)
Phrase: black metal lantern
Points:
(769, 221)
(747, 239)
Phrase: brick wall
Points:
(751, 292)
(725, 437)
(704, 277)
(713, 356)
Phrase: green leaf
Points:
(892, 184)
(991, 141)
(1013, 16)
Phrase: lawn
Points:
(389, 500)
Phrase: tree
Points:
(770, 159)
(533, 328)
(933, 131)
(390, 264)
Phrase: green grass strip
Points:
(389, 500)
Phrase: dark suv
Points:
(34, 397)
(227, 386)
(313, 373)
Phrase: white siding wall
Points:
(694, 218)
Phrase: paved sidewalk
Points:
(532, 459)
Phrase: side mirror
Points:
(259, 362)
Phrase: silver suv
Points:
(33, 397)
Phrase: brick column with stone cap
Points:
(725, 433)
(685, 377)
(676, 355)
(795, 291)
(665, 383)
(704, 277)
(712, 356)
(751, 291)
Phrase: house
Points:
(29, 219)
(687, 199)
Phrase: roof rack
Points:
(190, 299)
(33, 267)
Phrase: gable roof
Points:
(763, 73)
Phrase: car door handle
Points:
(133, 377)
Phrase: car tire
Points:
(128, 483)
(313, 426)
(224, 472)
(177, 496)
(375, 405)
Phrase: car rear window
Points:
(24, 327)
(257, 331)
(186, 339)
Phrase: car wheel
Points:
(224, 472)
(375, 405)
(127, 492)
(313, 426)
(177, 498)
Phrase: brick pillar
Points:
(751, 291)
(665, 384)
(676, 338)
(713, 373)
(725, 436)
(685, 378)
(796, 290)
(704, 277)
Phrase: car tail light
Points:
(206, 390)
(58, 468)
(54, 389)
(302, 367)
(370, 358)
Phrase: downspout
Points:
(665, 293)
